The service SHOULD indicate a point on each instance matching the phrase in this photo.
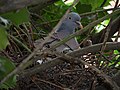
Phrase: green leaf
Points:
(94, 3)
(6, 66)
(60, 2)
(18, 17)
(3, 38)
(80, 9)
(101, 14)
(101, 26)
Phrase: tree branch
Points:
(11, 5)
(97, 11)
(78, 53)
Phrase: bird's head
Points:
(75, 19)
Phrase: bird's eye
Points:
(70, 18)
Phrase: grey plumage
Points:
(68, 26)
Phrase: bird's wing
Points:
(52, 41)
(38, 41)
(72, 43)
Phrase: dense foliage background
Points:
(23, 22)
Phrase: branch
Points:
(98, 11)
(78, 53)
(11, 5)
(19, 42)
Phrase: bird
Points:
(67, 27)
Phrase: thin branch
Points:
(105, 58)
(47, 82)
(19, 42)
(116, 39)
(97, 11)
(103, 3)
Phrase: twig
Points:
(103, 3)
(29, 33)
(116, 39)
(19, 42)
(15, 28)
(77, 82)
(116, 4)
(97, 11)
(47, 82)
(35, 83)
(105, 57)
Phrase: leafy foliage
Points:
(80, 8)
(17, 17)
(3, 38)
(6, 66)
(94, 3)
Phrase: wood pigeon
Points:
(67, 27)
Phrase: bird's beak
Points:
(79, 24)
